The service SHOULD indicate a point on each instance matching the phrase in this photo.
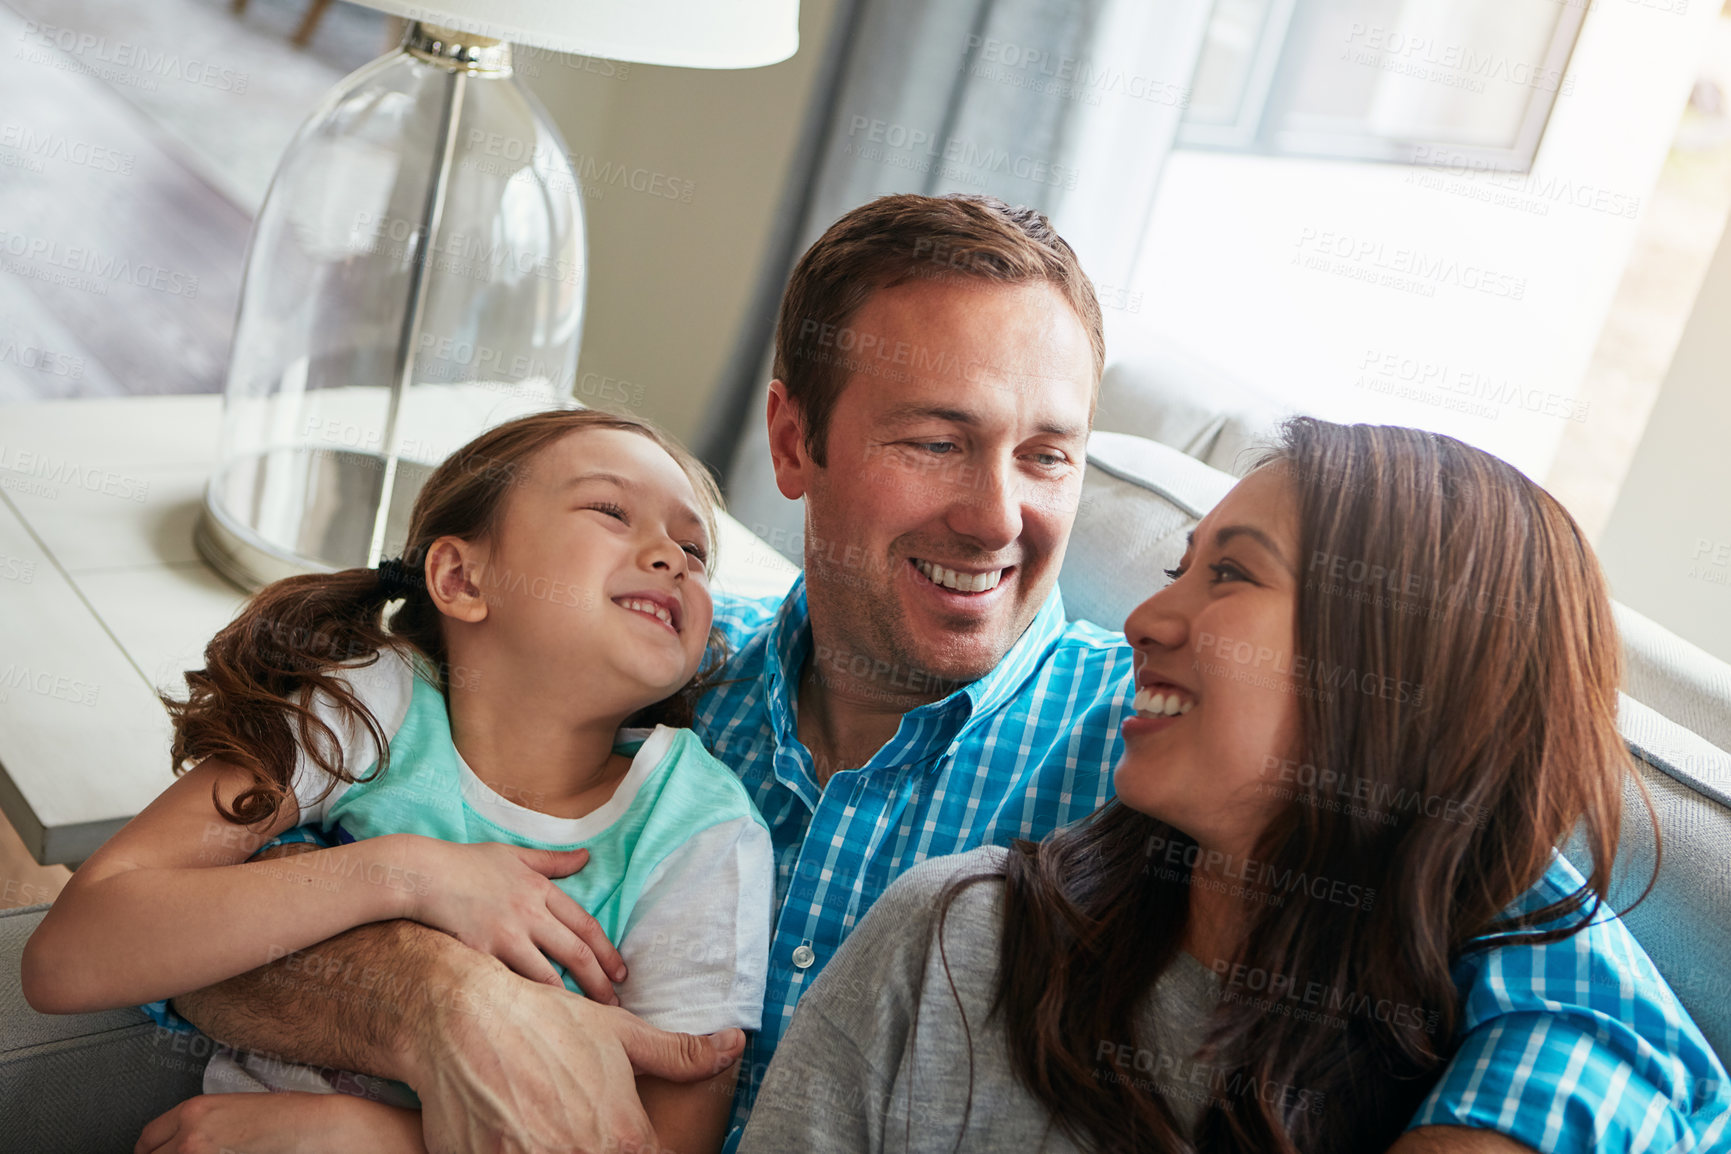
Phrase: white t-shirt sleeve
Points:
(697, 946)
(385, 688)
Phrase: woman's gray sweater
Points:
(852, 1074)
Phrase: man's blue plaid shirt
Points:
(1549, 1057)
(1025, 749)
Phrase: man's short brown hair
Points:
(894, 240)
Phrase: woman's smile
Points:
(1157, 705)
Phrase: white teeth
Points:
(961, 582)
(1152, 704)
(649, 607)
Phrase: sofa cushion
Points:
(1140, 499)
(1685, 923)
(1169, 396)
(83, 1083)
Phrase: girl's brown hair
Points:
(248, 705)
(1488, 607)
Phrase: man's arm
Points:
(352, 1002)
(499, 1062)
(333, 1004)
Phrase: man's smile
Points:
(972, 589)
(959, 580)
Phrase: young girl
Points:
(503, 761)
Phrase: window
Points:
(1462, 83)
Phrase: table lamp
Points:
(416, 273)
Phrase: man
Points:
(917, 693)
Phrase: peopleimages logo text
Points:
(1424, 268)
(17, 464)
(55, 146)
(90, 49)
(100, 266)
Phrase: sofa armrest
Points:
(1683, 682)
(82, 1083)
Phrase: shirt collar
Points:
(790, 644)
(995, 689)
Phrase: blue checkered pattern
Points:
(1025, 749)
(1030, 747)
(1580, 1046)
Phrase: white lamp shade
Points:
(684, 33)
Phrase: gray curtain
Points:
(1068, 106)
(930, 103)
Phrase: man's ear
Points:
(455, 570)
(793, 467)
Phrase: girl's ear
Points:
(455, 570)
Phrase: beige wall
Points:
(670, 277)
(1667, 549)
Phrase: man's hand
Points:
(523, 1067)
(501, 1063)
(289, 1123)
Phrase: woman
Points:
(1381, 686)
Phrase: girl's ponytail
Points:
(247, 704)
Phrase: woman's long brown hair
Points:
(248, 704)
(1487, 605)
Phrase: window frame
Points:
(1272, 76)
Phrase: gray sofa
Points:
(88, 1083)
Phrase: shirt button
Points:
(804, 955)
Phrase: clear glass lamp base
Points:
(331, 522)
(415, 276)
